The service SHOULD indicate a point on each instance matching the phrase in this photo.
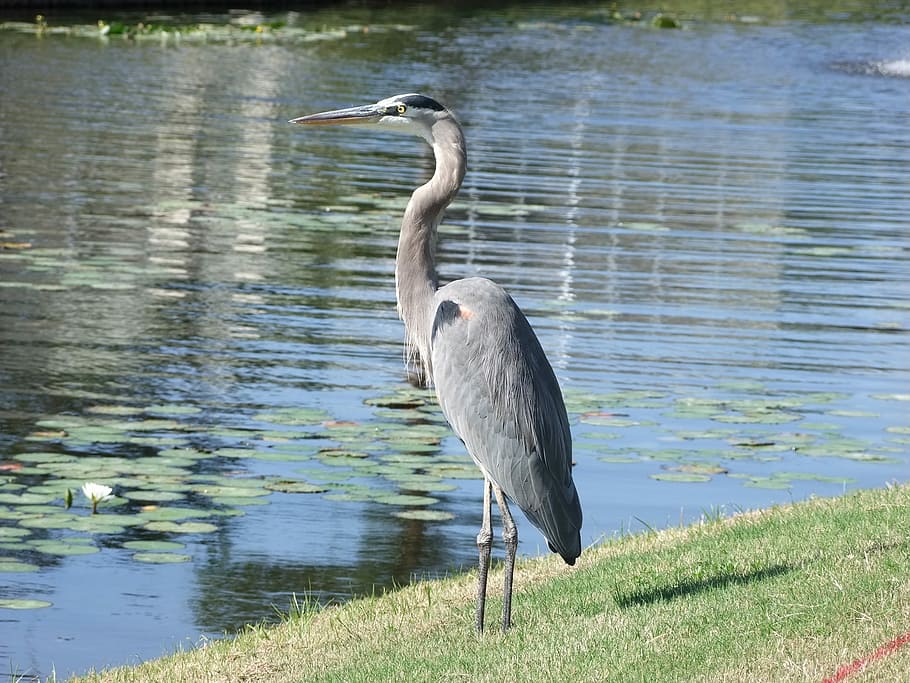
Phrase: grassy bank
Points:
(790, 594)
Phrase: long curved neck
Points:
(415, 265)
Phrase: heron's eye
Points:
(401, 109)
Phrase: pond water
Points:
(707, 226)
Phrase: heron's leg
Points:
(484, 545)
(510, 539)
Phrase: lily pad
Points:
(44, 457)
(344, 461)
(425, 515)
(173, 409)
(768, 483)
(119, 410)
(853, 413)
(13, 603)
(349, 496)
(700, 468)
(54, 520)
(421, 483)
(398, 401)
(182, 527)
(405, 500)
(235, 501)
(9, 532)
(687, 477)
(455, 471)
(619, 459)
(152, 496)
(608, 420)
(238, 491)
(13, 566)
(412, 447)
(761, 417)
(341, 452)
(236, 453)
(26, 498)
(186, 453)
(328, 476)
(161, 558)
(171, 514)
(294, 416)
(52, 547)
(294, 486)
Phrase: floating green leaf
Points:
(294, 416)
(119, 410)
(688, 477)
(294, 486)
(173, 409)
(398, 401)
(26, 498)
(700, 468)
(422, 483)
(619, 459)
(13, 566)
(238, 491)
(344, 461)
(45, 457)
(63, 547)
(761, 417)
(13, 603)
(9, 532)
(149, 495)
(182, 527)
(425, 515)
(853, 413)
(454, 471)
(170, 514)
(405, 500)
(768, 483)
(161, 558)
(608, 420)
(235, 501)
(55, 520)
(891, 397)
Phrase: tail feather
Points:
(560, 523)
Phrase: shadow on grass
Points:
(686, 588)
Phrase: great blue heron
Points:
(492, 378)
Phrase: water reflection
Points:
(707, 228)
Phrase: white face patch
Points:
(402, 124)
(412, 122)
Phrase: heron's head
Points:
(410, 113)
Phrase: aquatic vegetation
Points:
(243, 28)
(96, 493)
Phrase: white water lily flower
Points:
(96, 493)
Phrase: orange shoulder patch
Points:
(465, 312)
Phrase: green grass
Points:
(789, 594)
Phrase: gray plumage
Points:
(472, 342)
(500, 395)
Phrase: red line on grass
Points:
(859, 664)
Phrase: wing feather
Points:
(500, 395)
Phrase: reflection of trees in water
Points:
(365, 552)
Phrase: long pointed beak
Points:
(369, 113)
